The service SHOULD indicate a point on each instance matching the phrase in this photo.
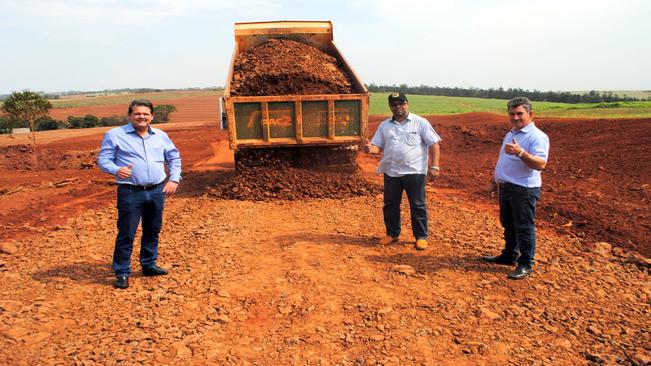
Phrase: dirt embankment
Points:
(26, 157)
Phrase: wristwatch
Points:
(436, 168)
(521, 153)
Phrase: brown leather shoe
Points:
(387, 240)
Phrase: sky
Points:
(567, 45)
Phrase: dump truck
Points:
(257, 122)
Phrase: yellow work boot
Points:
(421, 244)
(388, 240)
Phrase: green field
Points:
(419, 104)
(429, 105)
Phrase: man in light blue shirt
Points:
(410, 150)
(523, 156)
(136, 154)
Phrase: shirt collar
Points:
(408, 119)
(129, 128)
(525, 129)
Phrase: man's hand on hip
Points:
(170, 187)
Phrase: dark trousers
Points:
(414, 185)
(517, 215)
(135, 203)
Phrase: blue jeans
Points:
(414, 185)
(518, 217)
(135, 203)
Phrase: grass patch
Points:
(428, 105)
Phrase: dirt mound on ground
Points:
(285, 67)
(295, 174)
(22, 157)
(265, 184)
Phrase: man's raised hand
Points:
(125, 171)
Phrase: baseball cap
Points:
(397, 97)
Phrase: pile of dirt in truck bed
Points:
(295, 174)
(285, 67)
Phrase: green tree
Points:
(162, 113)
(26, 106)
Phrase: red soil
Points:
(595, 187)
(192, 109)
(285, 67)
(304, 282)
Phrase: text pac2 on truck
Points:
(290, 88)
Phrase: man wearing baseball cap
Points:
(410, 151)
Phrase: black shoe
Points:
(520, 273)
(121, 282)
(499, 259)
(154, 271)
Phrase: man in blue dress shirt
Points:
(523, 156)
(136, 154)
(410, 149)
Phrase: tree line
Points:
(31, 110)
(500, 93)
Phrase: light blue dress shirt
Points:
(122, 146)
(405, 145)
(510, 168)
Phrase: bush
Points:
(90, 121)
(4, 125)
(113, 121)
(609, 105)
(47, 123)
(86, 121)
(75, 122)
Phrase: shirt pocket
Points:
(413, 138)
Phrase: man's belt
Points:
(504, 185)
(142, 188)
